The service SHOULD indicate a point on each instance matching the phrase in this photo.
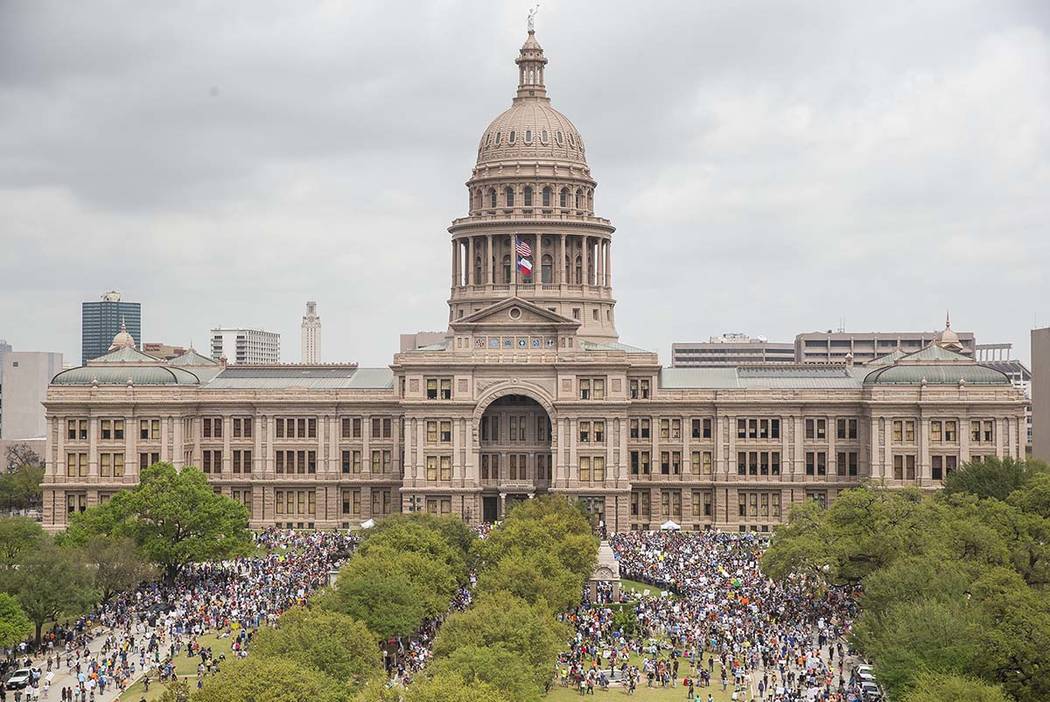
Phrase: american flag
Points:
(522, 247)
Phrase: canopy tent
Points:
(670, 526)
(368, 524)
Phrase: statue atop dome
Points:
(532, 18)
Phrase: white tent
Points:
(670, 526)
(368, 524)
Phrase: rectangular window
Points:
(147, 459)
(935, 430)
(446, 432)
(585, 469)
(446, 389)
(937, 467)
(845, 428)
(445, 465)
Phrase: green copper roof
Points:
(936, 374)
(121, 374)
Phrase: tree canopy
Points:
(258, 678)
(51, 582)
(173, 516)
(334, 644)
(14, 624)
(956, 583)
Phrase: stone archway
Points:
(515, 454)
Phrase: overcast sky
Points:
(771, 167)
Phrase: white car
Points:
(20, 679)
(870, 691)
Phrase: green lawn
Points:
(185, 668)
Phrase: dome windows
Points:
(563, 200)
(528, 136)
(546, 197)
(510, 139)
(544, 137)
(572, 142)
(509, 192)
(492, 197)
(558, 136)
(498, 135)
(527, 196)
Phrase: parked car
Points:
(19, 679)
(871, 691)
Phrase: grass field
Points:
(185, 668)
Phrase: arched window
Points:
(509, 193)
(579, 270)
(528, 196)
(558, 136)
(546, 197)
(498, 137)
(544, 137)
(564, 199)
(477, 270)
(492, 197)
(506, 270)
(579, 200)
(510, 139)
(590, 200)
(528, 136)
(546, 269)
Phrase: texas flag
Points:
(524, 251)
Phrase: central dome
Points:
(531, 128)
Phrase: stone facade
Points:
(529, 392)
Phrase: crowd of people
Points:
(148, 628)
(713, 621)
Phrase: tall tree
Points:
(334, 644)
(452, 688)
(501, 621)
(17, 535)
(258, 678)
(534, 576)
(992, 477)
(14, 624)
(119, 565)
(937, 687)
(51, 582)
(173, 516)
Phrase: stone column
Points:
(608, 263)
(513, 260)
(585, 249)
(470, 263)
(537, 261)
(489, 258)
(561, 261)
(455, 263)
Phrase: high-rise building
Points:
(245, 346)
(1041, 393)
(100, 321)
(24, 377)
(730, 350)
(311, 335)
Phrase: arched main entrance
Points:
(514, 453)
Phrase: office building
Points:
(101, 319)
(864, 347)
(730, 350)
(310, 335)
(24, 377)
(245, 346)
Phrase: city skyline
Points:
(875, 162)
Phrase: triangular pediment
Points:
(514, 313)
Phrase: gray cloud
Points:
(771, 167)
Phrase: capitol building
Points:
(530, 392)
